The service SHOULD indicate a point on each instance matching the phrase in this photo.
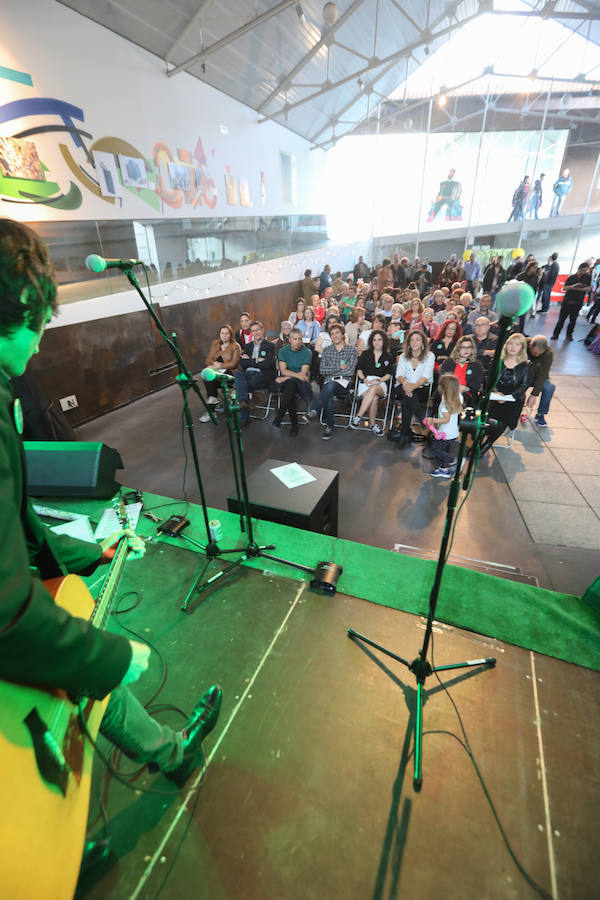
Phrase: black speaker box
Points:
(71, 469)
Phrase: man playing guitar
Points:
(41, 644)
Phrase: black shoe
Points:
(554, 337)
(294, 429)
(201, 723)
(569, 337)
(394, 434)
(277, 421)
(405, 440)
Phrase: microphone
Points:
(209, 374)
(97, 263)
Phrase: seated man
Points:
(258, 369)
(484, 309)
(540, 362)
(338, 364)
(485, 342)
(294, 380)
(40, 642)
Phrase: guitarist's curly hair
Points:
(27, 279)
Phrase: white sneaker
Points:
(212, 401)
(376, 429)
(356, 421)
(205, 417)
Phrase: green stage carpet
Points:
(559, 625)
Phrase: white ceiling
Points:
(318, 80)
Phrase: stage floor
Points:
(308, 790)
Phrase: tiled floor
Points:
(554, 472)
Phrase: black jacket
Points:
(266, 362)
(474, 376)
(511, 381)
(40, 643)
(488, 279)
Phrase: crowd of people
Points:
(395, 338)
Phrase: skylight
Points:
(532, 48)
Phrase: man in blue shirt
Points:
(473, 275)
(325, 279)
(560, 188)
(294, 380)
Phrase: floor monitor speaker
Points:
(71, 469)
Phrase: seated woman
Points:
(372, 302)
(440, 317)
(414, 374)
(413, 314)
(397, 313)
(378, 322)
(356, 325)
(512, 383)
(445, 342)
(320, 307)
(223, 356)
(294, 380)
(396, 337)
(460, 315)
(308, 326)
(374, 371)
(463, 364)
(427, 325)
(438, 302)
(298, 312)
(284, 335)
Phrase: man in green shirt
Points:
(294, 380)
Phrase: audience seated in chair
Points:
(243, 335)
(258, 369)
(513, 382)
(414, 377)
(374, 372)
(223, 356)
(463, 364)
(338, 365)
(293, 380)
(540, 362)
(445, 342)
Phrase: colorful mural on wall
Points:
(110, 168)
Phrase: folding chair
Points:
(346, 417)
(379, 420)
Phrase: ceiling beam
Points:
(184, 33)
(448, 13)
(229, 38)
(324, 42)
(392, 58)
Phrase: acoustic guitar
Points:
(46, 763)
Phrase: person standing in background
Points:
(549, 276)
(535, 200)
(561, 187)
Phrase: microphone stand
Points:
(211, 549)
(187, 382)
(476, 424)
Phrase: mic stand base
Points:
(252, 549)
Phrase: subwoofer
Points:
(71, 469)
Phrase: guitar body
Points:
(45, 777)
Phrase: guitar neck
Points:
(106, 597)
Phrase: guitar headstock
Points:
(121, 512)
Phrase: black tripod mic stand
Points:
(252, 549)
(187, 382)
(475, 424)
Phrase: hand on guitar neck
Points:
(137, 547)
